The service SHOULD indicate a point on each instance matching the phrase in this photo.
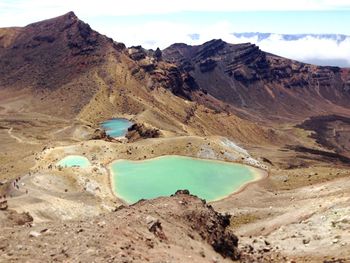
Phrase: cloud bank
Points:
(161, 31)
(309, 48)
(330, 49)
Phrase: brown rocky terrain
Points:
(331, 131)
(59, 79)
(140, 131)
(258, 84)
(147, 231)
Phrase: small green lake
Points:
(74, 161)
(116, 127)
(163, 176)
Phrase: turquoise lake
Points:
(163, 176)
(74, 161)
(116, 127)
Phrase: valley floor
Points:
(300, 212)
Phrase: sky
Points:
(159, 23)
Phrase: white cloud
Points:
(149, 35)
(162, 34)
(308, 49)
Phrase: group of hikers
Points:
(4, 197)
(16, 184)
(3, 202)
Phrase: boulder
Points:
(158, 54)
(140, 131)
(137, 53)
(207, 65)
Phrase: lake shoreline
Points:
(257, 173)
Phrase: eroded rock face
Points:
(137, 53)
(207, 65)
(98, 134)
(162, 74)
(258, 82)
(209, 49)
(211, 226)
(140, 131)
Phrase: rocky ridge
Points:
(261, 83)
(126, 235)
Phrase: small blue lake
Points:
(74, 161)
(116, 127)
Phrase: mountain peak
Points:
(61, 45)
(67, 18)
(215, 41)
(70, 14)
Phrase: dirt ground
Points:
(300, 211)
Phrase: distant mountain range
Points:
(319, 49)
(66, 68)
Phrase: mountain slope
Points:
(263, 84)
(62, 67)
(47, 57)
(42, 53)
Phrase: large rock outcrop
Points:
(181, 228)
(140, 131)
